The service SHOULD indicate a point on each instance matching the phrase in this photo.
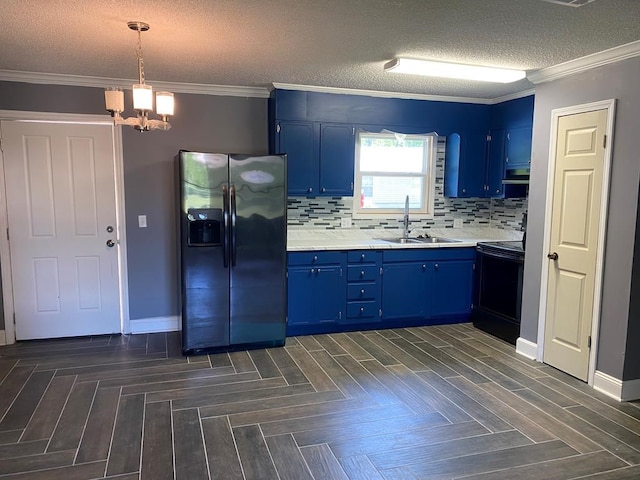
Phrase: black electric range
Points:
(497, 298)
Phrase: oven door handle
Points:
(503, 256)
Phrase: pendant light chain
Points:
(139, 55)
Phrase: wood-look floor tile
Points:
(47, 413)
(456, 365)
(264, 363)
(522, 364)
(482, 415)
(124, 456)
(263, 405)
(219, 360)
(287, 367)
(311, 370)
(400, 354)
(242, 362)
(309, 343)
(263, 392)
(223, 460)
(408, 334)
(157, 443)
(519, 421)
(426, 361)
(161, 377)
(449, 338)
(32, 463)
(199, 395)
(73, 472)
(438, 401)
(189, 451)
(96, 440)
(346, 434)
(545, 420)
(491, 461)
(127, 369)
(352, 348)
(345, 382)
(480, 366)
(427, 335)
(330, 345)
(5, 367)
(70, 427)
(10, 436)
(287, 458)
(360, 468)
(12, 385)
(350, 418)
(157, 342)
(628, 473)
(23, 449)
(377, 391)
(254, 455)
(422, 455)
(384, 357)
(322, 463)
(173, 389)
(561, 469)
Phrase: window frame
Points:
(428, 177)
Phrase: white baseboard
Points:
(3, 338)
(526, 348)
(155, 324)
(619, 390)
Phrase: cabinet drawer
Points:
(362, 291)
(363, 256)
(314, 258)
(362, 310)
(362, 273)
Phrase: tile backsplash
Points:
(327, 212)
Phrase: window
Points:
(389, 166)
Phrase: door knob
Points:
(552, 256)
(110, 243)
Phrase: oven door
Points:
(498, 293)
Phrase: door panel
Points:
(577, 191)
(60, 201)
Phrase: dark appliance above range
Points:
(497, 299)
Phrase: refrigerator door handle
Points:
(225, 220)
(232, 191)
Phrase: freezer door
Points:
(204, 245)
(258, 249)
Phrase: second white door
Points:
(60, 188)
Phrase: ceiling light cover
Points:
(453, 70)
(142, 96)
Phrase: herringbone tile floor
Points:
(418, 403)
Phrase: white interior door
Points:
(60, 192)
(575, 220)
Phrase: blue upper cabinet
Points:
(518, 154)
(337, 150)
(299, 141)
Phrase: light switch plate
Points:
(142, 221)
(457, 223)
(345, 222)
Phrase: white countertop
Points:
(354, 239)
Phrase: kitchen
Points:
(227, 123)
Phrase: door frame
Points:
(5, 252)
(608, 105)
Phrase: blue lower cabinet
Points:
(450, 287)
(404, 290)
(316, 292)
(363, 287)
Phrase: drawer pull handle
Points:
(436, 266)
(361, 309)
(362, 273)
(313, 270)
(362, 292)
(315, 258)
(362, 257)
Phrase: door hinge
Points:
(589, 342)
(474, 266)
(508, 136)
(604, 142)
(353, 131)
(380, 313)
(381, 271)
(7, 234)
(340, 271)
(277, 128)
(339, 315)
(488, 138)
(14, 318)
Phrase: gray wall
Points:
(618, 81)
(201, 122)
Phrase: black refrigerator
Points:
(233, 231)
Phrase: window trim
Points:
(429, 179)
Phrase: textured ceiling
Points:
(330, 43)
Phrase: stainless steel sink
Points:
(420, 240)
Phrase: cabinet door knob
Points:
(498, 191)
(315, 258)
(313, 270)
(464, 190)
(436, 266)
(362, 257)
(362, 273)
(323, 189)
(424, 267)
(361, 309)
(310, 190)
(362, 292)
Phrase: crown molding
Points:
(102, 82)
(513, 96)
(582, 64)
(382, 94)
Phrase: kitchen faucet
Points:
(406, 218)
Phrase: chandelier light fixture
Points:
(142, 97)
(453, 70)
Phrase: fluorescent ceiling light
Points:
(453, 70)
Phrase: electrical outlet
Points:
(345, 222)
(457, 223)
(142, 221)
